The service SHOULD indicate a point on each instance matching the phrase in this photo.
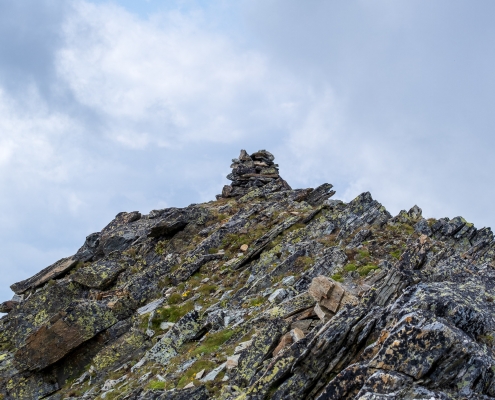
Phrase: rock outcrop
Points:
(265, 293)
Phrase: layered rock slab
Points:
(61, 267)
(63, 333)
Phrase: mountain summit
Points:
(268, 292)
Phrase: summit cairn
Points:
(251, 172)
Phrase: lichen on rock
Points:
(268, 292)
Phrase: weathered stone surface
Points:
(296, 334)
(323, 313)
(263, 241)
(359, 238)
(187, 328)
(278, 296)
(168, 227)
(285, 341)
(365, 305)
(89, 248)
(191, 266)
(7, 306)
(54, 271)
(99, 274)
(210, 376)
(321, 288)
(194, 393)
(263, 344)
(63, 333)
(330, 261)
(151, 307)
(320, 194)
(413, 350)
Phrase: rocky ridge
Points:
(265, 293)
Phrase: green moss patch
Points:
(365, 270)
(171, 314)
(156, 385)
(213, 342)
(206, 290)
(350, 267)
(257, 301)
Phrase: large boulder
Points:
(62, 333)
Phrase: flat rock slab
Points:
(213, 374)
(167, 227)
(61, 267)
(98, 275)
(63, 333)
(150, 307)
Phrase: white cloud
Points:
(30, 140)
(181, 81)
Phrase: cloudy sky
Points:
(109, 106)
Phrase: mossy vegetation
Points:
(295, 227)
(362, 255)
(156, 385)
(396, 253)
(131, 252)
(487, 339)
(174, 298)
(350, 267)
(171, 313)
(213, 341)
(257, 301)
(366, 269)
(329, 240)
(207, 289)
(161, 246)
(303, 263)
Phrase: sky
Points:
(110, 106)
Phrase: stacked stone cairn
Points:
(251, 172)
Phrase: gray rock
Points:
(61, 267)
(278, 296)
(213, 374)
(150, 306)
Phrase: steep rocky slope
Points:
(265, 293)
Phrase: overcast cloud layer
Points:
(137, 105)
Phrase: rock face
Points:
(265, 293)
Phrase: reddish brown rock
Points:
(63, 333)
(285, 341)
(321, 288)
